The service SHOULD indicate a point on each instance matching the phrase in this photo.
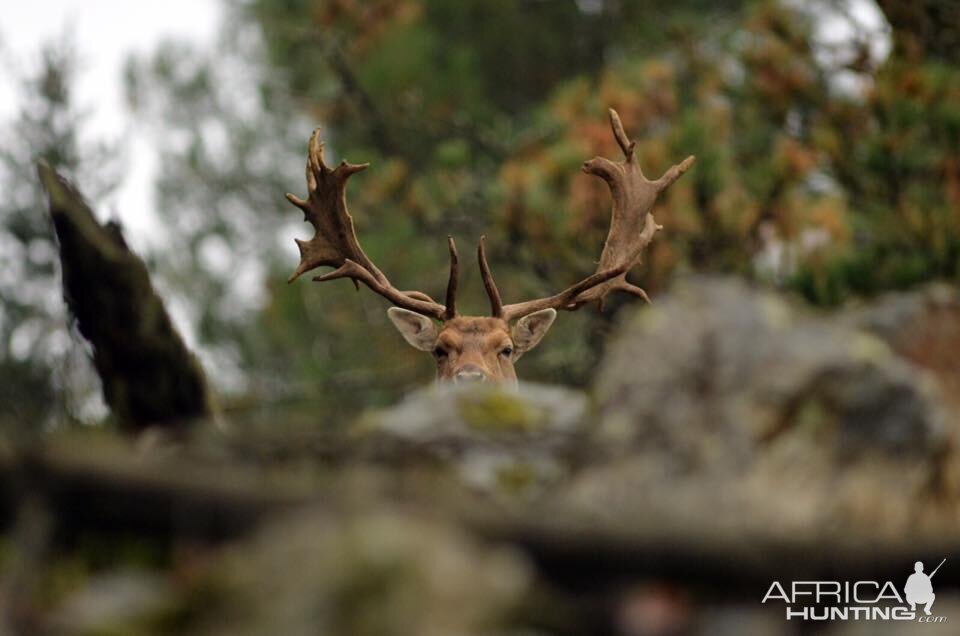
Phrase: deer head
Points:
(481, 348)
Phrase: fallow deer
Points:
(475, 348)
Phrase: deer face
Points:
(470, 348)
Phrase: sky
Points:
(105, 33)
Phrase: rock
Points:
(497, 439)
(368, 571)
(923, 327)
(718, 368)
(728, 406)
(731, 439)
(119, 602)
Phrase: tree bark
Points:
(149, 376)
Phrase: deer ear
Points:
(420, 331)
(530, 329)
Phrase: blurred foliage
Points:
(897, 158)
(838, 193)
(438, 97)
(43, 368)
(830, 167)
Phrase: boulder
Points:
(727, 405)
(923, 327)
(501, 440)
(371, 570)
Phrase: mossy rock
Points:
(506, 439)
(482, 412)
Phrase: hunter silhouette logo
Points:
(919, 590)
(858, 600)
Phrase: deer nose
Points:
(470, 373)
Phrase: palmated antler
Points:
(335, 243)
(632, 227)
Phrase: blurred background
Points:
(826, 133)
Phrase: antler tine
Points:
(567, 299)
(632, 227)
(451, 309)
(335, 242)
(625, 143)
(496, 305)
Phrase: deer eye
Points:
(439, 353)
(506, 352)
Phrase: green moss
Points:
(516, 478)
(814, 419)
(498, 412)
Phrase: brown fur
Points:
(477, 343)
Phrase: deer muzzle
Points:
(469, 373)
